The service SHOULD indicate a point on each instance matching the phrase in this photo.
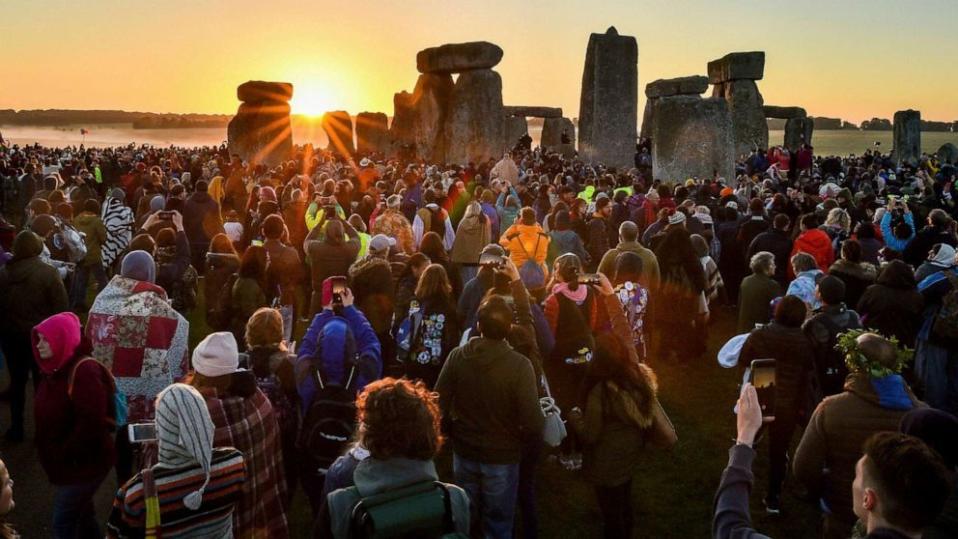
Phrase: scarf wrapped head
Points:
(184, 433)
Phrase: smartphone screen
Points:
(142, 432)
(763, 378)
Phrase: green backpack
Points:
(420, 510)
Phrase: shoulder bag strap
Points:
(152, 502)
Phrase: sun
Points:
(309, 102)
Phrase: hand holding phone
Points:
(762, 378)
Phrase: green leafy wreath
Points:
(857, 362)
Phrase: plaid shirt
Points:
(249, 424)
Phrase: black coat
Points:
(893, 306)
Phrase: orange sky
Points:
(852, 59)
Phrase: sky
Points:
(852, 59)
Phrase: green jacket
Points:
(754, 296)
(91, 225)
(490, 401)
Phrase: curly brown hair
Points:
(399, 418)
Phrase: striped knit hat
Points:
(184, 432)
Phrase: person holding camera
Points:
(575, 316)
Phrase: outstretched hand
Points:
(749, 416)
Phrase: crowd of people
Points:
(512, 310)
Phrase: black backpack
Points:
(330, 421)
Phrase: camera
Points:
(491, 260)
(339, 287)
(165, 215)
(589, 279)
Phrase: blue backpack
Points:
(330, 420)
(530, 272)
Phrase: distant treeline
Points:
(875, 124)
(139, 120)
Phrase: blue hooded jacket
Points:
(369, 366)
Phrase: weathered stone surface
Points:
(694, 85)
(798, 131)
(784, 113)
(372, 132)
(691, 136)
(907, 137)
(418, 117)
(514, 128)
(737, 66)
(749, 128)
(473, 128)
(257, 91)
(261, 133)
(608, 106)
(646, 131)
(557, 132)
(338, 126)
(948, 153)
(534, 112)
(458, 57)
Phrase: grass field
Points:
(673, 490)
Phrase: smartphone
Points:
(339, 286)
(762, 376)
(141, 432)
(166, 215)
(590, 278)
(491, 260)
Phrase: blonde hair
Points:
(265, 327)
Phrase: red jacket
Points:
(74, 438)
(816, 243)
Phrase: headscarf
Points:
(945, 257)
(184, 433)
(139, 265)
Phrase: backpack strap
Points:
(448, 519)
(152, 527)
(72, 376)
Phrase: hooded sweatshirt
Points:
(489, 401)
(837, 431)
(30, 289)
(74, 439)
(816, 243)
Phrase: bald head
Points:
(877, 349)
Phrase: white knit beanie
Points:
(216, 355)
(184, 433)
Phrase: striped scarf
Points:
(118, 220)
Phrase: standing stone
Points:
(558, 134)
(693, 85)
(338, 126)
(646, 131)
(608, 107)
(515, 127)
(418, 117)
(749, 128)
(907, 137)
(458, 57)
(372, 132)
(691, 136)
(260, 132)
(798, 131)
(473, 129)
(948, 153)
